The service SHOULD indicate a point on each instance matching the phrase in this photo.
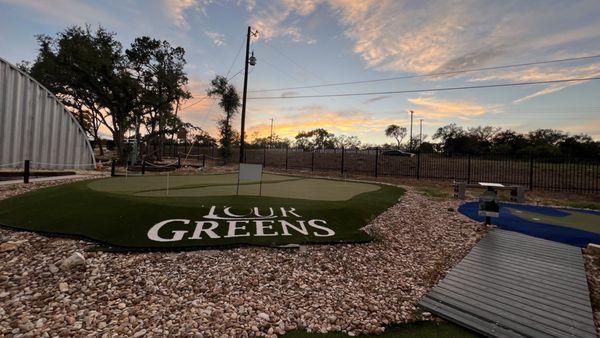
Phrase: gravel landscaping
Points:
(46, 289)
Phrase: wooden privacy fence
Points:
(556, 173)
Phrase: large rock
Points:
(11, 245)
(75, 260)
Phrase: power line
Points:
(428, 90)
(205, 97)
(429, 74)
(236, 57)
(294, 62)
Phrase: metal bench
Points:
(517, 192)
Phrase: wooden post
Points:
(112, 168)
(143, 165)
(26, 171)
(376, 161)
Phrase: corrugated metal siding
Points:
(35, 126)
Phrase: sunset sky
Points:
(316, 42)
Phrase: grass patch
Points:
(113, 212)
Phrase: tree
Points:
(268, 142)
(396, 132)
(347, 142)
(89, 73)
(158, 67)
(315, 139)
(230, 103)
(204, 139)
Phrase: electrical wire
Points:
(429, 74)
(427, 90)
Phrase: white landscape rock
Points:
(63, 287)
(77, 259)
(353, 288)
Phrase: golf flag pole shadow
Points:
(250, 173)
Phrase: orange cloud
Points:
(361, 124)
(437, 108)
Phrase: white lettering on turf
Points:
(254, 223)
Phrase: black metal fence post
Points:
(469, 168)
(312, 163)
(530, 172)
(178, 161)
(342, 169)
(286, 158)
(26, 171)
(376, 161)
(112, 168)
(264, 157)
(143, 166)
(419, 165)
(203, 160)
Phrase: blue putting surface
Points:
(570, 226)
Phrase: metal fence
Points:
(556, 173)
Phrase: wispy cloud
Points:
(176, 10)
(67, 11)
(544, 74)
(377, 98)
(217, 38)
(431, 107)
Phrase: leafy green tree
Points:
(230, 103)
(159, 68)
(90, 74)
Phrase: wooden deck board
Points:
(514, 285)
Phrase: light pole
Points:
(249, 60)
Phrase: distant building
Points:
(36, 126)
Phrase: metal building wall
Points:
(35, 126)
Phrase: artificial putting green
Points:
(202, 210)
(575, 219)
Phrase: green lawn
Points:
(202, 210)
(412, 330)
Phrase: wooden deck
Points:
(514, 285)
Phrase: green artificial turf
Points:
(575, 219)
(412, 330)
(116, 212)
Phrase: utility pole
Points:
(248, 61)
(271, 139)
(411, 135)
